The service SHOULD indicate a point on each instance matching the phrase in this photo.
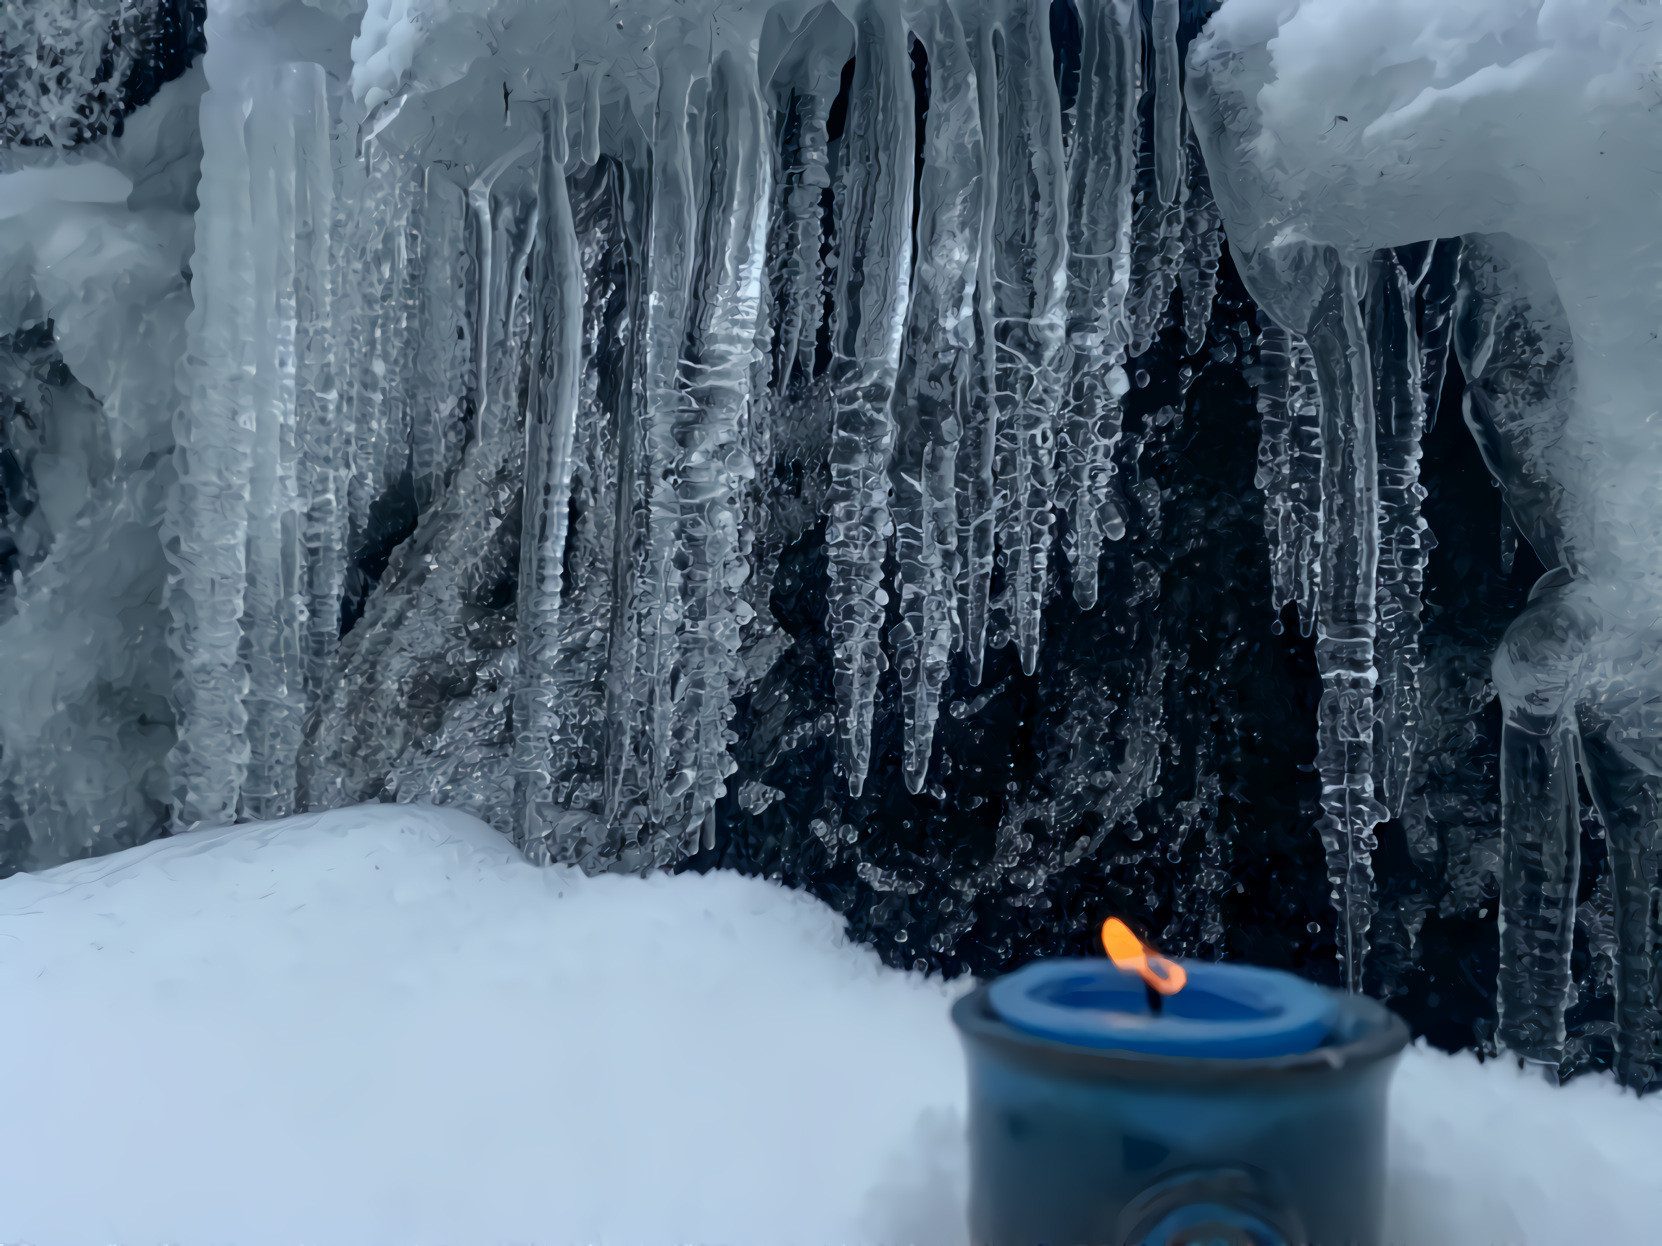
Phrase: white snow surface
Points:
(1364, 125)
(381, 1025)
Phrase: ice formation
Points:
(475, 366)
(585, 319)
(1525, 130)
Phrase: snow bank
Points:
(380, 1025)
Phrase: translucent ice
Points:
(432, 407)
(1526, 129)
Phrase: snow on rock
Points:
(381, 1025)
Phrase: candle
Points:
(1222, 1012)
(1169, 1103)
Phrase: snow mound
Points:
(381, 1025)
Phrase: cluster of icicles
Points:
(894, 287)
(634, 366)
(1344, 413)
(484, 477)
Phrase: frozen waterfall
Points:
(458, 400)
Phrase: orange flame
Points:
(1130, 953)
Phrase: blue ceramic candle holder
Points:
(1248, 1109)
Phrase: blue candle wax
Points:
(1224, 1012)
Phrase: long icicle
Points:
(978, 499)
(1030, 273)
(873, 263)
(550, 425)
(714, 467)
(576, 831)
(1273, 478)
(800, 299)
(931, 403)
(1102, 175)
(1438, 291)
(438, 427)
(1345, 628)
(206, 529)
(1304, 482)
(1394, 347)
(1289, 470)
(1158, 246)
(323, 470)
(642, 769)
(1202, 249)
(287, 99)
(789, 419)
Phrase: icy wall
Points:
(832, 440)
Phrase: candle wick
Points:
(1155, 1003)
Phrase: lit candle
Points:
(1159, 1102)
(1141, 1001)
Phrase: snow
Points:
(381, 1025)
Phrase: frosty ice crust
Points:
(1333, 128)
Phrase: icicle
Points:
(643, 767)
(873, 253)
(978, 499)
(931, 402)
(206, 529)
(1157, 248)
(1400, 407)
(289, 109)
(577, 831)
(439, 403)
(401, 333)
(791, 424)
(1345, 627)
(713, 467)
(376, 262)
(323, 469)
(1438, 291)
(1102, 173)
(804, 180)
(502, 244)
(1517, 354)
(1167, 136)
(591, 114)
(1289, 469)
(1202, 249)
(1302, 520)
(549, 430)
(1030, 279)
(1274, 381)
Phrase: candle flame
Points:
(1130, 953)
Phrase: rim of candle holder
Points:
(1375, 1033)
(1246, 1010)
